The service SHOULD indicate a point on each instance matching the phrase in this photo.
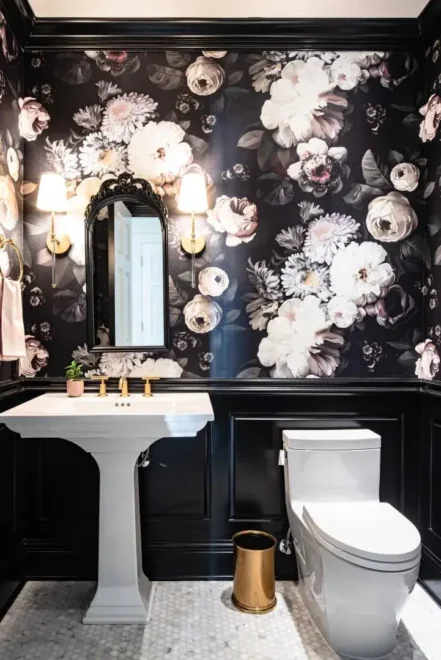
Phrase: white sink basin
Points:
(115, 435)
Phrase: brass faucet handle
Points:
(147, 386)
(102, 379)
(124, 386)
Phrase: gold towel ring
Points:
(8, 241)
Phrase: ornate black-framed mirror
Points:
(127, 263)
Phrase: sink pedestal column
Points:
(124, 594)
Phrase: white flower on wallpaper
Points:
(360, 272)
(89, 117)
(117, 365)
(33, 118)
(320, 169)
(326, 235)
(237, 217)
(342, 312)
(157, 152)
(346, 72)
(428, 364)
(213, 281)
(162, 367)
(202, 314)
(125, 114)
(62, 159)
(431, 112)
(302, 277)
(391, 218)
(106, 90)
(303, 104)
(205, 76)
(405, 177)
(99, 156)
(299, 341)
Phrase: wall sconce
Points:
(192, 199)
(52, 197)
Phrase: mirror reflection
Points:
(129, 275)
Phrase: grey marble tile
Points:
(190, 621)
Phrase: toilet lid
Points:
(372, 530)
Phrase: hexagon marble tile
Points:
(190, 620)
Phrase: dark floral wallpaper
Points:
(428, 365)
(11, 156)
(318, 182)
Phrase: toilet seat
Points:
(370, 534)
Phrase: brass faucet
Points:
(124, 387)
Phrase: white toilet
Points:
(357, 558)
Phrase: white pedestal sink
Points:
(115, 431)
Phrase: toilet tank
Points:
(335, 465)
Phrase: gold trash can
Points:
(254, 589)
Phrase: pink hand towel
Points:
(13, 344)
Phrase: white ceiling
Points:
(227, 8)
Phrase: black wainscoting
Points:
(197, 492)
(430, 489)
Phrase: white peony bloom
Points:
(391, 218)
(235, 216)
(204, 76)
(326, 235)
(360, 274)
(299, 341)
(343, 313)
(119, 365)
(405, 176)
(303, 104)
(162, 367)
(202, 314)
(301, 277)
(427, 366)
(213, 281)
(157, 152)
(125, 114)
(217, 54)
(99, 156)
(346, 73)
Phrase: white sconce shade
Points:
(52, 193)
(193, 192)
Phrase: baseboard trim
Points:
(430, 574)
(9, 590)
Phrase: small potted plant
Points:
(74, 375)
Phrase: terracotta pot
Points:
(75, 387)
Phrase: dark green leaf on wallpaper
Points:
(266, 152)
(437, 256)
(185, 277)
(251, 140)
(250, 372)
(229, 60)
(73, 68)
(218, 103)
(171, 116)
(177, 59)
(234, 77)
(182, 362)
(231, 291)
(428, 190)
(232, 315)
(395, 157)
(175, 315)
(412, 119)
(415, 248)
(235, 93)
(407, 359)
(177, 296)
(375, 174)
(400, 345)
(432, 229)
(165, 77)
(360, 194)
(185, 124)
(233, 328)
(402, 108)
(197, 144)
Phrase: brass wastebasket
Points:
(254, 589)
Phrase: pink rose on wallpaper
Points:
(36, 357)
(33, 118)
(432, 117)
(235, 216)
(427, 366)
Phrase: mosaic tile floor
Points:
(190, 620)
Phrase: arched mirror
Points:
(127, 282)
